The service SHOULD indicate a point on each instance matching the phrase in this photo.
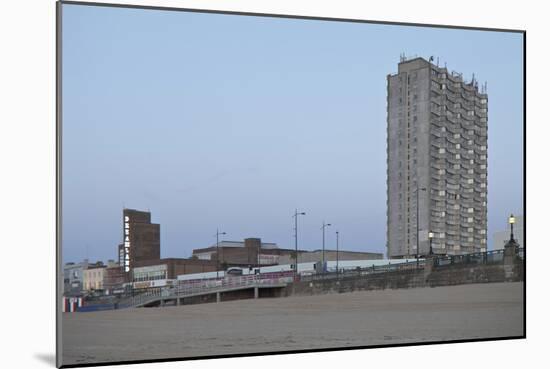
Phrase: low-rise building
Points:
(114, 278)
(250, 252)
(156, 273)
(73, 276)
(330, 255)
(93, 278)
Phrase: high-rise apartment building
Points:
(436, 161)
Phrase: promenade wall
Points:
(427, 276)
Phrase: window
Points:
(457, 156)
(442, 150)
(457, 146)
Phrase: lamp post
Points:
(323, 254)
(218, 233)
(511, 248)
(337, 270)
(431, 236)
(418, 221)
(296, 240)
(511, 220)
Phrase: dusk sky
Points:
(231, 122)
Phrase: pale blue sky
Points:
(231, 121)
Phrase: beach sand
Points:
(359, 318)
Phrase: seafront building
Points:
(141, 239)
(93, 278)
(73, 276)
(436, 161)
(331, 255)
(140, 267)
(249, 252)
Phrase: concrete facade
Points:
(436, 153)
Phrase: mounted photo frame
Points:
(235, 184)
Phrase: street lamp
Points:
(431, 236)
(295, 216)
(323, 254)
(511, 220)
(418, 220)
(511, 246)
(337, 270)
(218, 233)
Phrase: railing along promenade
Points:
(487, 258)
(205, 286)
(208, 286)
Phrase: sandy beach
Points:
(293, 323)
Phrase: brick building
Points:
(141, 239)
(250, 252)
(169, 268)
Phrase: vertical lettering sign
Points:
(126, 243)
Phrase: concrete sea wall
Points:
(429, 276)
